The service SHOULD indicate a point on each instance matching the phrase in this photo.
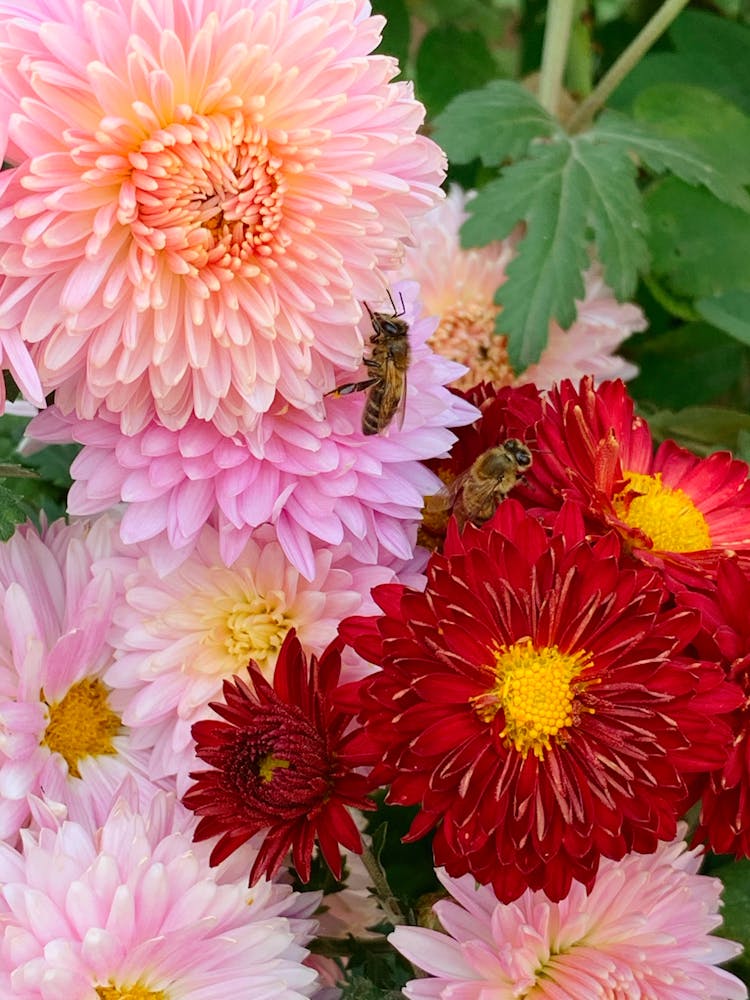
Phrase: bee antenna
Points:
(369, 311)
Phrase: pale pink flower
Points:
(61, 729)
(642, 933)
(459, 286)
(133, 908)
(202, 196)
(179, 636)
(312, 479)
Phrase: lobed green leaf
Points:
(496, 123)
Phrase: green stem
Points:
(555, 52)
(585, 112)
(579, 70)
(388, 902)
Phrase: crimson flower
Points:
(725, 636)
(280, 765)
(505, 412)
(673, 509)
(536, 703)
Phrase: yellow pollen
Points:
(667, 516)
(134, 992)
(82, 724)
(535, 690)
(269, 764)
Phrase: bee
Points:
(387, 367)
(476, 495)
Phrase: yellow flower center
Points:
(667, 516)
(135, 992)
(82, 724)
(249, 628)
(269, 764)
(535, 689)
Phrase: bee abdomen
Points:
(372, 416)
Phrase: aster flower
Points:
(61, 726)
(535, 703)
(280, 765)
(133, 909)
(177, 637)
(312, 479)
(725, 636)
(459, 286)
(202, 196)
(644, 930)
(673, 509)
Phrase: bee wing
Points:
(394, 393)
(401, 410)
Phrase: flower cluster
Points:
(223, 245)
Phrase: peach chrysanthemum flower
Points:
(203, 194)
(314, 481)
(459, 286)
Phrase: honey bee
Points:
(387, 367)
(476, 495)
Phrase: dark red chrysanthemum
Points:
(280, 765)
(725, 635)
(535, 702)
(673, 509)
(507, 412)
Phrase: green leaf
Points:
(736, 904)
(449, 62)
(694, 164)
(692, 112)
(699, 246)
(710, 52)
(729, 311)
(617, 215)
(725, 44)
(496, 123)
(702, 429)
(12, 512)
(563, 191)
(689, 365)
(397, 30)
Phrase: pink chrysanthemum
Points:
(644, 931)
(459, 286)
(61, 729)
(179, 636)
(202, 196)
(133, 910)
(312, 479)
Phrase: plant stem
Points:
(584, 113)
(388, 902)
(555, 52)
(580, 64)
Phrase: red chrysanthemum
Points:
(725, 636)
(280, 765)
(673, 509)
(506, 412)
(535, 702)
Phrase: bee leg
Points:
(350, 387)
